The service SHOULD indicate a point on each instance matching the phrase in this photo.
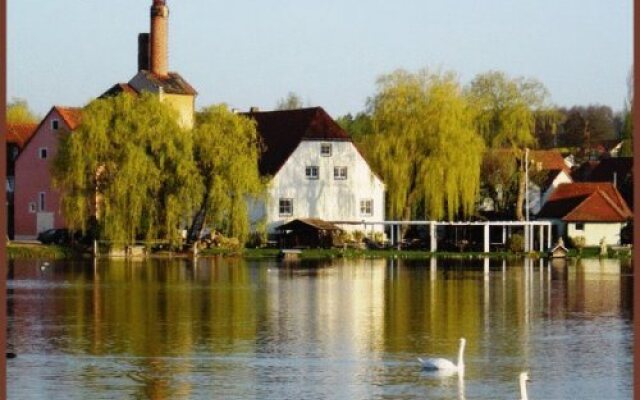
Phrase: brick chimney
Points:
(159, 50)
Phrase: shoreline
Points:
(17, 251)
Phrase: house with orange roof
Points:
(36, 202)
(595, 211)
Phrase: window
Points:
(325, 149)
(312, 172)
(286, 207)
(579, 226)
(42, 153)
(339, 173)
(41, 201)
(366, 207)
(32, 206)
(55, 124)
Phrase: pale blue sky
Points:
(253, 52)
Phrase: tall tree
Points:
(291, 102)
(504, 110)
(131, 166)
(421, 121)
(585, 126)
(18, 112)
(227, 147)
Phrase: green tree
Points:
(227, 147)
(131, 166)
(504, 116)
(18, 112)
(421, 121)
(291, 102)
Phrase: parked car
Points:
(55, 236)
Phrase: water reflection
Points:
(166, 329)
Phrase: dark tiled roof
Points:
(583, 172)
(605, 170)
(586, 201)
(19, 134)
(117, 89)
(315, 223)
(172, 83)
(282, 132)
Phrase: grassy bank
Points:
(34, 251)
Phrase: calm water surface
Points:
(232, 329)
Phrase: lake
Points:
(342, 329)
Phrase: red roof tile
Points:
(71, 115)
(586, 201)
(282, 131)
(20, 134)
(548, 159)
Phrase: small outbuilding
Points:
(307, 232)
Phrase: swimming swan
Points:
(441, 364)
(524, 378)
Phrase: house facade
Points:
(593, 211)
(547, 172)
(17, 136)
(315, 171)
(37, 203)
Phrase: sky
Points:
(254, 52)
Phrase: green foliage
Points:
(504, 108)
(578, 242)
(504, 116)
(358, 236)
(421, 122)
(499, 179)
(226, 151)
(515, 244)
(130, 164)
(291, 102)
(18, 112)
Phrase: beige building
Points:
(153, 75)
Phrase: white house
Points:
(315, 171)
(594, 211)
(548, 170)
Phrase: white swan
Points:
(524, 378)
(444, 365)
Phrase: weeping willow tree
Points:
(130, 166)
(226, 151)
(424, 145)
(504, 116)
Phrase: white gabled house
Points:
(315, 171)
(595, 211)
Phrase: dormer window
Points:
(55, 124)
(325, 149)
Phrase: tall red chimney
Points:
(159, 38)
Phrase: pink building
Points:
(37, 203)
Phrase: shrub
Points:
(515, 244)
(358, 236)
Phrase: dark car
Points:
(55, 236)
